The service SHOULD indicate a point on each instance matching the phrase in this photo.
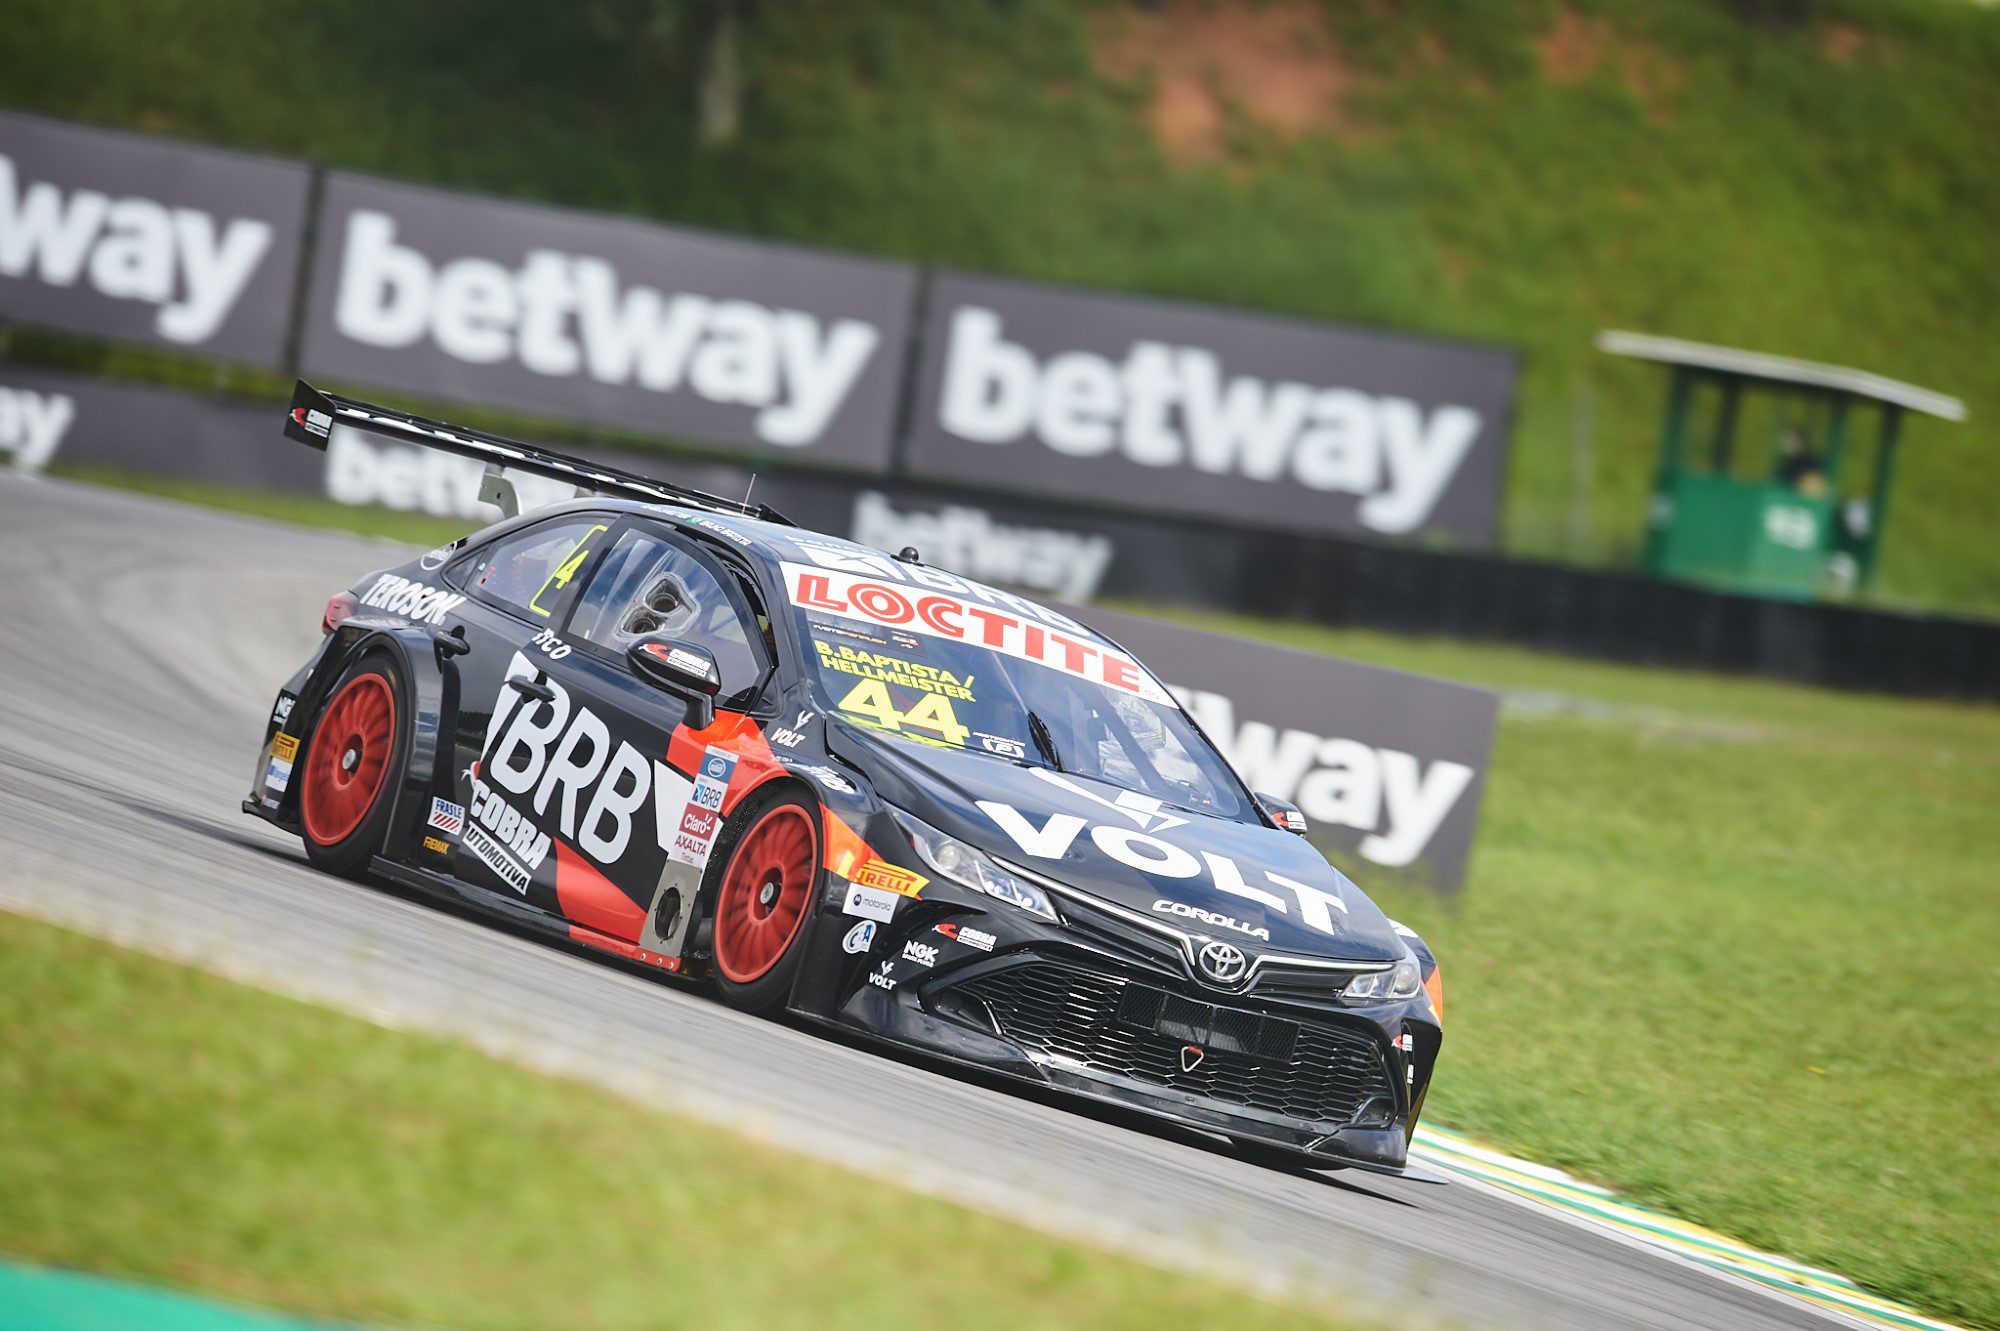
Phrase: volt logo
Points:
(1156, 857)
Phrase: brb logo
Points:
(559, 759)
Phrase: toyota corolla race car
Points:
(848, 787)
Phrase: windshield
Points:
(940, 669)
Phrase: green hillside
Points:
(1818, 179)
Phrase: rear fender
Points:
(424, 657)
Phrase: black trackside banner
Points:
(147, 240)
(1388, 767)
(769, 348)
(1233, 416)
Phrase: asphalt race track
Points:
(142, 644)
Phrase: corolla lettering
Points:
(1215, 918)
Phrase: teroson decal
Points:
(412, 600)
(559, 760)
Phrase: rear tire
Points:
(352, 763)
(764, 900)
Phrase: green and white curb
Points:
(1447, 1151)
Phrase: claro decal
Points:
(122, 236)
(1271, 421)
(671, 331)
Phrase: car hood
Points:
(1130, 850)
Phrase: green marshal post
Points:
(1793, 512)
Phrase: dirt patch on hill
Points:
(1274, 64)
(1576, 47)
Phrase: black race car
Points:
(850, 787)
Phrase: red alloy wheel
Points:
(765, 892)
(349, 759)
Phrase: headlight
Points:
(971, 868)
(1403, 980)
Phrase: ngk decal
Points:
(412, 600)
(1139, 846)
(32, 425)
(558, 758)
(1395, 797)
(960, 619)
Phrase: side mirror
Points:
(682, 669)
(1283, 812)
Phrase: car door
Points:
(517, 587)
(589, 766)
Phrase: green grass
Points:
(163, 1125)
(1824, 187)
(1728, 944)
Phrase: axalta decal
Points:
(958, 618)
(412, 600)
(1135, 842)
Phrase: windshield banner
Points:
(939, 614)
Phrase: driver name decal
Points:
(955, 618)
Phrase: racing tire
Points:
(352, 763)
(764, 899)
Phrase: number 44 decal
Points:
(932, 712)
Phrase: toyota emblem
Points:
(1223, 963)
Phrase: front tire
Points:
(764, 901)
(353, 761)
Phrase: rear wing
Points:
(314, 414)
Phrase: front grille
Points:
(1318, 1073)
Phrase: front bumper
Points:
(1137, 1031)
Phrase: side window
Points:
(649, 583)
(528, 571)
